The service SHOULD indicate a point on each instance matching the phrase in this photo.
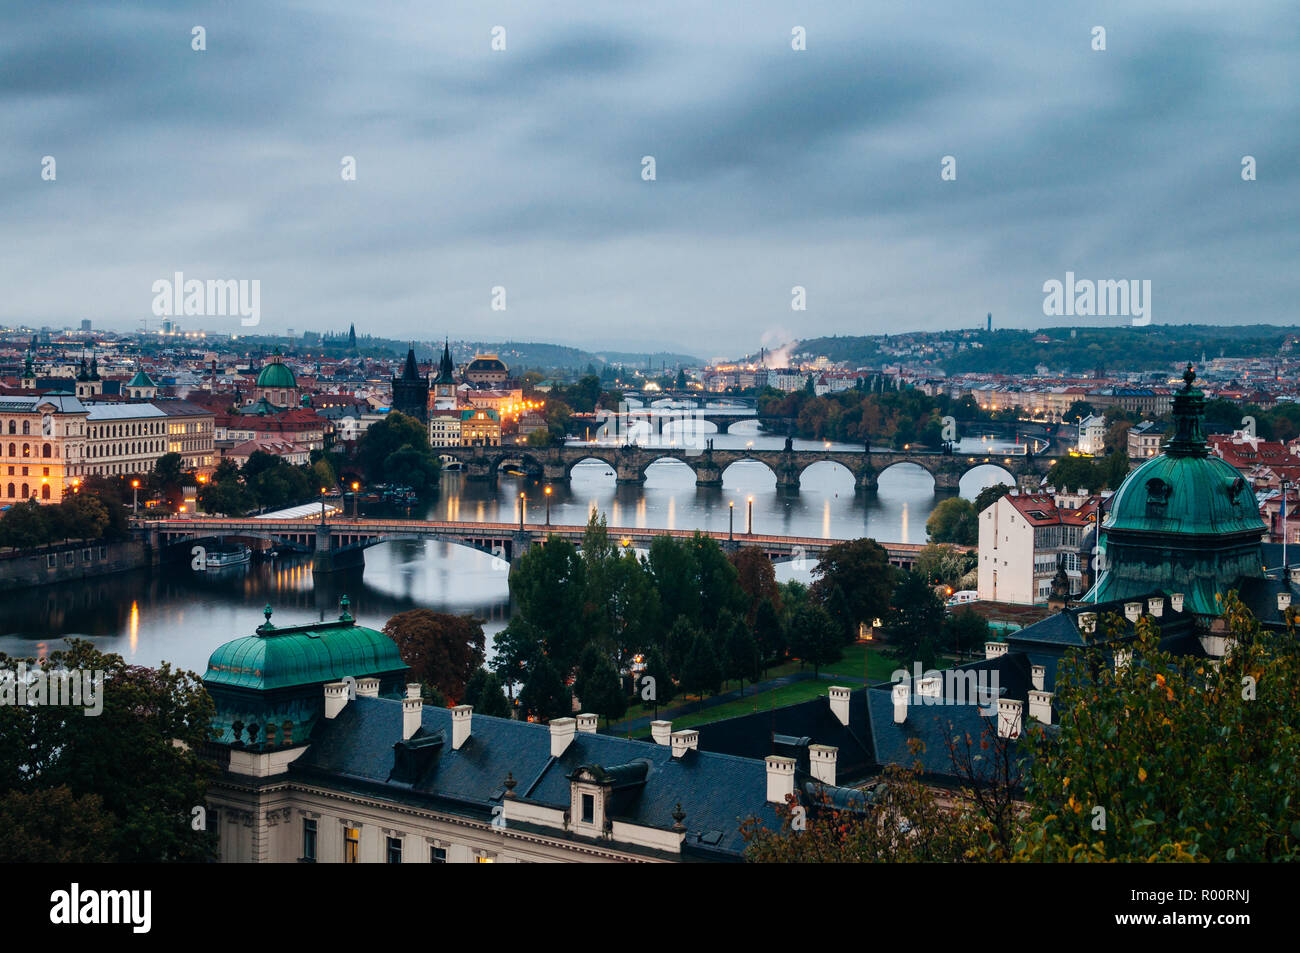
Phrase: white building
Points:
(1021, 538)
(1092, 435)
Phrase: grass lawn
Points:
(763, 701)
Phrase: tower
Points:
(444, 385)
(411, 391)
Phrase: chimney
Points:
(1295, 575)
(840, 703)
(780, 778)
(1038, 674)
(1132, 611)
(661, 731)
(461, 720)
(336, 697)
(930, 685)
(684, 741)
(587, 723)
(1122, 658)
(821, 762)
(1176, 601)
(994, 649)
(1156, 606)
(1283, 601)
(1087, 622)
(1010, 712)
(1040, 706)
(900, 693)
(368, 687)
(562, 732)
(412, 709)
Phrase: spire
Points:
(446, 369)
(1189, 420)
(411, 372)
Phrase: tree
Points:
(676, 573)
(912, 626)
(769, 633)
(599, 689)
(756, 576)
(990, 495)
(548, 584)
(1187, 760)
(513, 650)
(167, 477)
(544, 695)
(860, 569)
(954, 520)
(677, 646)
(944, 564)
(483, 691)
(25, 526)
(965, 632)
(702, 673)
(54, 826)
(740, 656)
(442, 650)
(655, 684)
(411, 466)
(1077, 411)
(814, 637)
(139, 755)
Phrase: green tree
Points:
(769, 633)
(54, 826)
(25, 526)
(860, 569)
(549, 588)
(913, 624)
(965, 632)
(544, 695)
(740, 655)
(483, 691)
(990, 495)
(702, 673)
(599, 689)
(655, 684)
(814, 636)
(954, 520)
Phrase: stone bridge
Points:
(630, 462)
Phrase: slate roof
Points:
(751, 736)
(355, 751)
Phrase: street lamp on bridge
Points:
(731, 521)
(750, 531)
(135, 497)
(548, 506)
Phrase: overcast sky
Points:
(522, 168)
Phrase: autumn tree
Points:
(914, 622)
(443, 650)
(860, 570)
(954, 520)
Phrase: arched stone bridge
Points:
(630, 462)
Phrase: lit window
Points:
(351, 844)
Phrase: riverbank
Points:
(70, 561)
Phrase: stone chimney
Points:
(1132, 611)
(821, 763)
(368, 687)
(661, 731)
(1156, 606)
(840, 703)
(336, 698)
(994, 649)
(780, 778)
(1038, 675)
(412, 710)
(1040, 706)
(1283, 601)
(1010, 716)
(462, 717)
(587, 723)
(1295, 575)
(900, 693)
(562, 732)
(684, 741)
(1087, 622)
(1176, 601)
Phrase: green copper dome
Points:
(1172, 494)
(141, 379)
(303, 655)
(276, 374)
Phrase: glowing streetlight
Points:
(521, 512)
(135, 498)
(731, 521)
(750, 531)
(355, 486)
(548, 506)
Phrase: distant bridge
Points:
(340, 543)
(630, 462)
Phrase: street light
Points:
(731, 521)
(548, 506)
(135, 499)
(355, 487)
(521, 512)
(750, 531)
(322, 506)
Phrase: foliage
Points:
(483, 691)
(914, 621)
(544, 695)
(954, 520)
(859, 569)
(443, 650)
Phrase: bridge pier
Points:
(554, 473)
(708, 475)
(327, 558)
(947, 483)
(867, 482)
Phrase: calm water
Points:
(180, 616)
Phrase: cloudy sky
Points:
(522, 168)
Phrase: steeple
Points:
(446, 369)
(1189, 420)
(411, 372)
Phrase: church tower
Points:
(444, 385)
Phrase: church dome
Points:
(1194, 495)
(276, 374)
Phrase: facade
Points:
(124, 439)
(479, 427)
(444, 428)
(1145, 439)
(1092, 435)
(42, 447)
(1025, 539)
(191, 432)
(411, 391)
(486, 369)
(276, 385)
(140, 387)
(443, 394)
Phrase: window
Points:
(588, 809)
(394, 850)
(437, 855)
(351, 844)
(308, 839)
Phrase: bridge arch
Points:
(840, 465)
(600, 456)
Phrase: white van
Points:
(962, 597)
